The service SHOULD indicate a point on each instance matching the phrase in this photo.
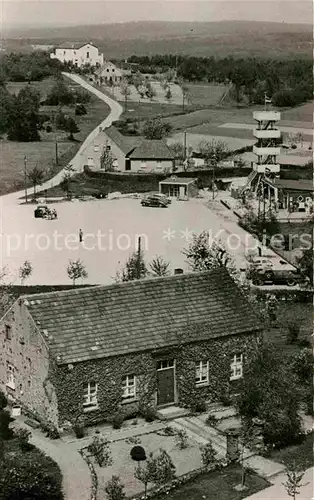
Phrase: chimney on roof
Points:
(178, 270)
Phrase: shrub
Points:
(3, 401)
(114, 489)
(99, 449)
(138, 453)
(211, 420)
(199, 406)
(117, 420)
(5, 420)
(30, 476)
(50, 430)
(80, 110)
(182, 439)
(23, 436)
(149, 414)
(208, 455)
(79, 430)
(293, 332)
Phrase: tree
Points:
(204, 254)
(213, 151)
(269, 392)
(305, 263)
(71, 127)
(125, 91)
(106, 160)
(156, 128)
(36, 176)
(158, 469)
(5, 106)
(134, 268)
(25, 271)
(100, 449)
(168, 94)
(159, 266)
(293, 483)
(76, 270)
(24, 121)
(60, 94)
(114, 489)
(178, 150)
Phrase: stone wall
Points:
(108, 373)
(27, 352)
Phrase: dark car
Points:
(41, 211)
(276, 277)
(153, 201)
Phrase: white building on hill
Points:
(79, 54)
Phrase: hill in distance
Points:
(237, 38)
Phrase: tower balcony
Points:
(268, 116)
(273, 168)
(266, 151)
(267, 134)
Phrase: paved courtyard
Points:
(111, 230)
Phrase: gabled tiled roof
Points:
(150, 149)
(126, 144)
(148, 314)
(73, 45)
(302, 185)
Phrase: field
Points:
(43, 153)
(205, 95)
(147, 110)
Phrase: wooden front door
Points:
(165, 382)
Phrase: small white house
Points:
(78, 54)
(110, 73)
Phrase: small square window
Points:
(201, 372)
(8, 332)
(129, 387)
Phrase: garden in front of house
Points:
(25, 472)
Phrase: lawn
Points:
(147, 110)
(218, 485)
(42, 153)
(42, 86)
(301, 455)
(289, 313)
(205, 94)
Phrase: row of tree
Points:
(21, 118)
(26, 67)
(288, 82)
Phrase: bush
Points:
(29, 476)
(211, 420)
(114, 489)
(5, 420)
(3, 401)
(182, 439)
(23, 436)
(293, 332)
(99, 449)
(79, 430)
(117, 420)
(149, 414)
(208, 455)
(199, 406)
(80, 110)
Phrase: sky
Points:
(40, 13)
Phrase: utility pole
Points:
(25, 177)
(184, 143)
(213, 176)
(139, 258)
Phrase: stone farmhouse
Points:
(78, 54)
(90, 351)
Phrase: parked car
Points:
(162, 197)
(276, 277)
(153, 201)
(43, 212)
